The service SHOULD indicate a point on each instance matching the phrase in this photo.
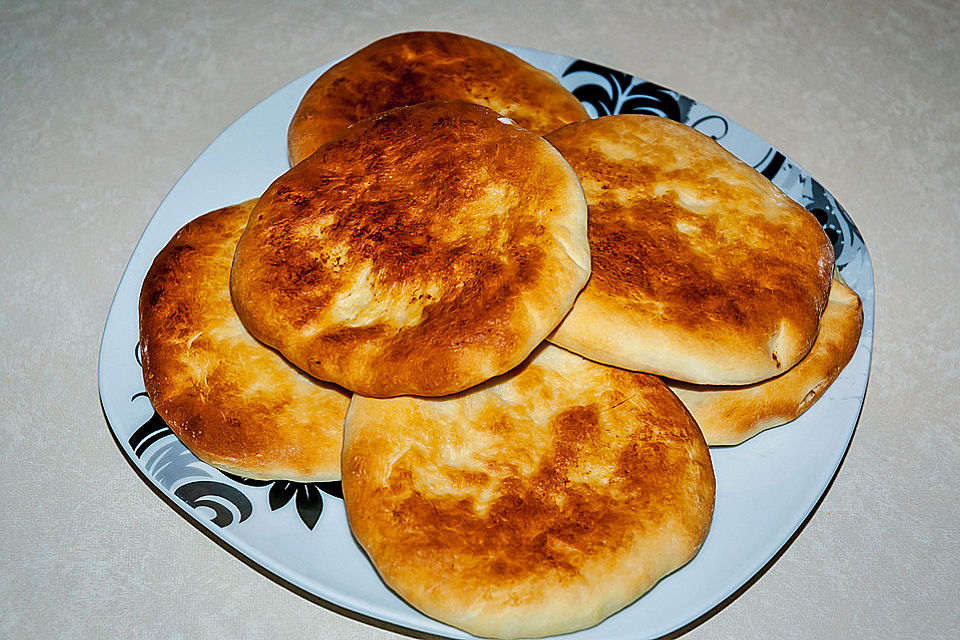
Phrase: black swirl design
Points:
(771, 163)
(650, 98)
(838, 226)
(216, 496)
(713, 125)
(603, 95)
(151, 431)
(615, 92)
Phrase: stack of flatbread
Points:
(511, 329)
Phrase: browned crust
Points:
(703, 270)
(423, 251)
(730, 415)
(234, 403)
(538, 503)
(424, 66)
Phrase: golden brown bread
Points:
(537, 503)
(703, 270)
(425, 66)
(425, 250)
(730, 415)
(232, 401)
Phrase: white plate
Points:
(766, 487)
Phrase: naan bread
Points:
(232, 401)
(538, 503)
(423, 251)
(425, 66)
(703, 271)
(730, 415)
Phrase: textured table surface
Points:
(104, 104)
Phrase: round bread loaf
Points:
(425, 66)
(703, 270)
(538, 503)
(423, 251)
(233, 402)
(730, 415)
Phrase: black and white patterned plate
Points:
(766, 487)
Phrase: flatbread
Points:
(538, 503)
(234, 403)
(730, 415)
(423, 251)
(426, 66)
(704, 271)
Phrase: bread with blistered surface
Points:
(729, 415)
(703, 270)
(538, 503)
(232, 401)
(423, 251)
(426, 66)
